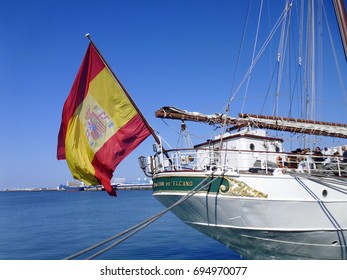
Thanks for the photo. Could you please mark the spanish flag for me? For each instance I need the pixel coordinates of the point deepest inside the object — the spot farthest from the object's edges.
(100, 124)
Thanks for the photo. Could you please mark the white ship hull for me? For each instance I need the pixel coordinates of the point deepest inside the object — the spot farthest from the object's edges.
(299, 218)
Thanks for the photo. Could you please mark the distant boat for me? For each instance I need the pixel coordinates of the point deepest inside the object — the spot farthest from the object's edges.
(72, 186)
(242, 189)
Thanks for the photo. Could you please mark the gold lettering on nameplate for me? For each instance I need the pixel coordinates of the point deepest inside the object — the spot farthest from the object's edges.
(173, 184)
(182, 183)
(158, 184)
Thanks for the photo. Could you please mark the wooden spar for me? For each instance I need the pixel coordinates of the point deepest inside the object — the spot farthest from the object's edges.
(294, 125)
(244, 115)
(342, 21)
(177, 114)
(125, 91)
(260, 121)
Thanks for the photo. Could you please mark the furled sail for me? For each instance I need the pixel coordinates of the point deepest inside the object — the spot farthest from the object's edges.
(268, 122)
(294, 125)
(169, 112)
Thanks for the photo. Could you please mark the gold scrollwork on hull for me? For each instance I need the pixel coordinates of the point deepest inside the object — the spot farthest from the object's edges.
(239, 188)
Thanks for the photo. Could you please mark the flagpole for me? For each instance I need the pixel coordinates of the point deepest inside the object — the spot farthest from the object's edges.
(125, 91)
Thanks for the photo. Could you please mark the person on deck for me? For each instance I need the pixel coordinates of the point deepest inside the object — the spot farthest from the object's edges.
(318, 158)
(344, 154)
(327, 154)
(305, 161)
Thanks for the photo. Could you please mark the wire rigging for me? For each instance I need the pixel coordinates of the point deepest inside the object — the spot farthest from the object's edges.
(261, 51)
(341, 80)
(281, 54)
(254, 49)
(131, 231)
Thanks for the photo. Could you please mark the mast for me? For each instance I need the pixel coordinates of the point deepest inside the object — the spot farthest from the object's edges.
(342, 21)
(313, 61)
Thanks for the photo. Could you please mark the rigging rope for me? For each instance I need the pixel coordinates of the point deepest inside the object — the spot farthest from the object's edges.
(328, 214)
(131, 231)
(341, 79)
(227, 109)
(262, 49)
(253, 55)
(281, 54)
(269, 87)
(239, 54)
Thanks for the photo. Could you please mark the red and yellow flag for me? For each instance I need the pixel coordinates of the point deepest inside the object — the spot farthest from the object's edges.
(100, 125)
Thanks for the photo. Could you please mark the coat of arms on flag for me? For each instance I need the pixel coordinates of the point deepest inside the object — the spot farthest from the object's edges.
(96, 123)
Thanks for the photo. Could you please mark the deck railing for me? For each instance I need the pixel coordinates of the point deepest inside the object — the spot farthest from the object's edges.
(244, 161)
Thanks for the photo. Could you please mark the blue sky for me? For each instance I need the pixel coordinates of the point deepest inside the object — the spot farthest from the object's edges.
(179, 53)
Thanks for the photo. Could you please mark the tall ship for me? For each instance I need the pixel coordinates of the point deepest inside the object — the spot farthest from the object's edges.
(248, 187)
(245, 187)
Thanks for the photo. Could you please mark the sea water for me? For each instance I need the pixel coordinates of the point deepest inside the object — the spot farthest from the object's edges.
(53, 225)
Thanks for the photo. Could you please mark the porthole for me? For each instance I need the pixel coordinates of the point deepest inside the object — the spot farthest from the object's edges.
(251, 146)
(325, 193)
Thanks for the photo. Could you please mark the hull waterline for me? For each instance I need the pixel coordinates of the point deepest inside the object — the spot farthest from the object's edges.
(279, 225)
